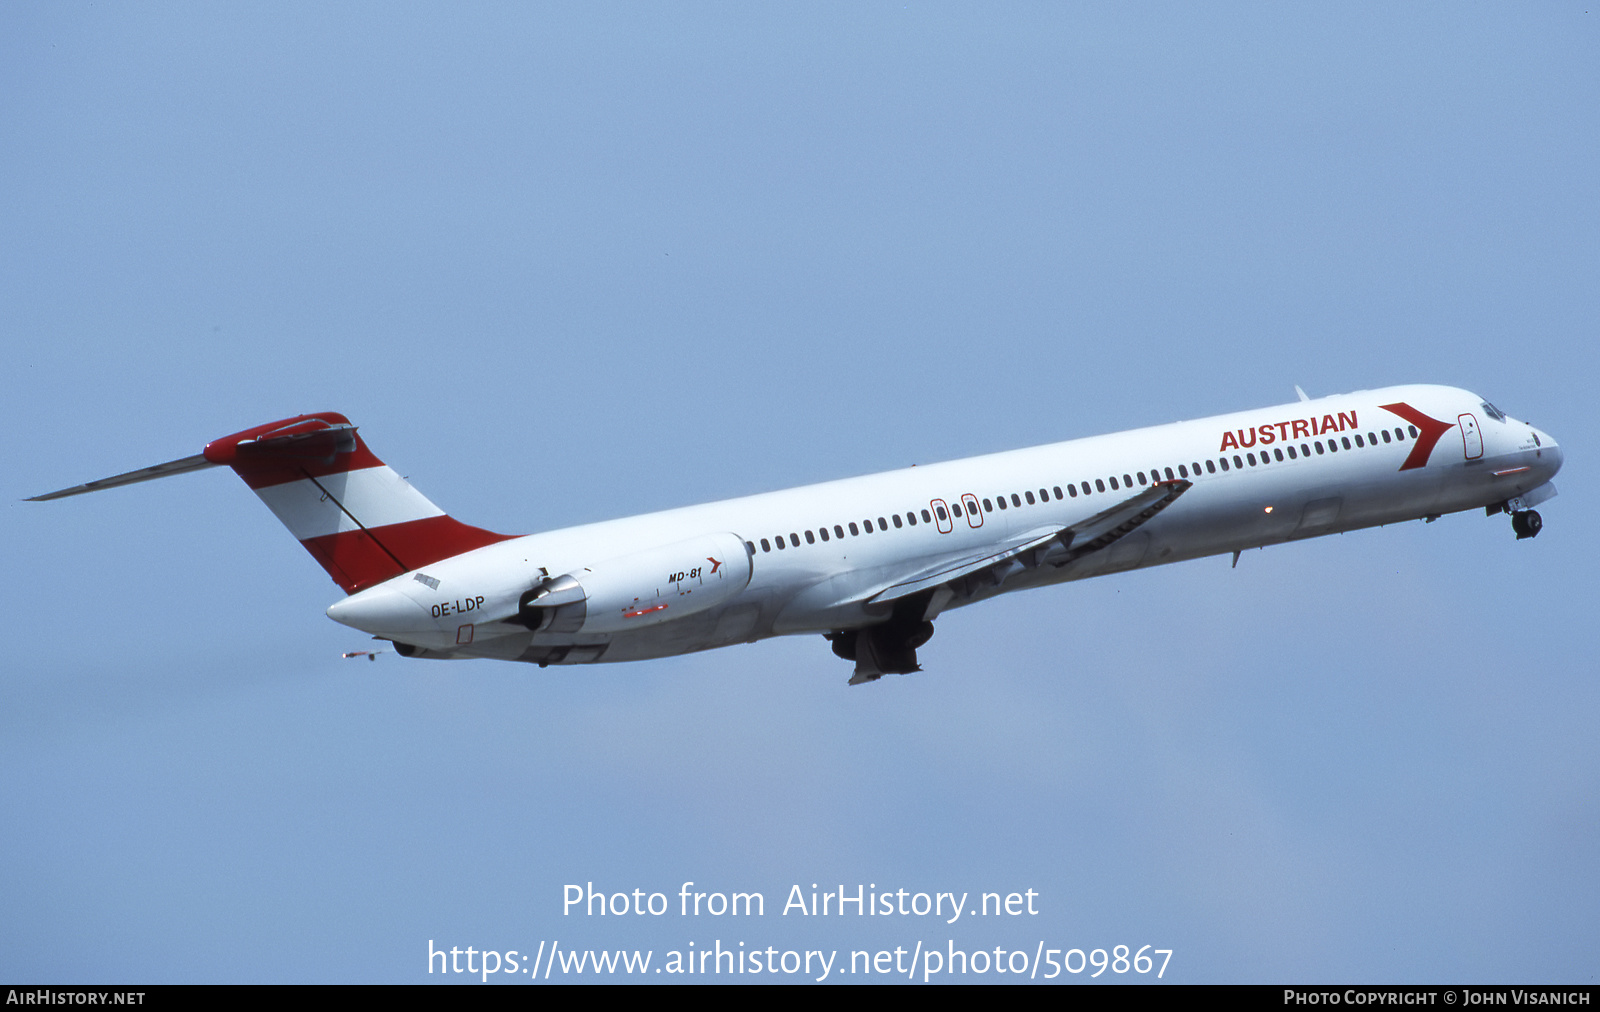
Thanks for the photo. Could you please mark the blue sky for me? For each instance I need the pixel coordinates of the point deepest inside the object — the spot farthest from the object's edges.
(564, 263)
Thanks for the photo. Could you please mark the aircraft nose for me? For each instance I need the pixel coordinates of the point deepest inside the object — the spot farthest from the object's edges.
(1549, 452)
(1552, 453)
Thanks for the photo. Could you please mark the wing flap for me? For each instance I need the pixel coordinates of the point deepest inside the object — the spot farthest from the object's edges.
(1117, 522)
(946, 570)
(1056, 546)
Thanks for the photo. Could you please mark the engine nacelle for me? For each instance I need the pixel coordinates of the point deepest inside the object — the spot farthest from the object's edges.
(640, 590)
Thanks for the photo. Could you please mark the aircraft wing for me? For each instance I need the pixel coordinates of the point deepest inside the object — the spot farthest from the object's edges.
(1124, 518)
(947, 570)
(1057, 546)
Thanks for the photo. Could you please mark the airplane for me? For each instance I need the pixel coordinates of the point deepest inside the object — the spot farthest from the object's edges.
(870, 562)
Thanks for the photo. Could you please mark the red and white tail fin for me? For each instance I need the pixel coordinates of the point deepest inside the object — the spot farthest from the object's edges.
(356, 516)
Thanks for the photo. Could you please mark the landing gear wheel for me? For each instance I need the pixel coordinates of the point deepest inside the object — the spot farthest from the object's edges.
(1526, 524)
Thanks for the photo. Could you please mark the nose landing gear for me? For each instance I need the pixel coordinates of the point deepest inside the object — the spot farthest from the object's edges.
(1526, 524)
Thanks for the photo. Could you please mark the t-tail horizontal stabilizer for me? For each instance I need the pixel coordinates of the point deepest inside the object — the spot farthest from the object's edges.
(197, 462)
(356, 516)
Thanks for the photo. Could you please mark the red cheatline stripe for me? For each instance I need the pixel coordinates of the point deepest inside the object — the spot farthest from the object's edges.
(356, 560)
(1430, 428)
(263, 464)
(260, 472)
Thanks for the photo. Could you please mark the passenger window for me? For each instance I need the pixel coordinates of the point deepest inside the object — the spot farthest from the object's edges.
(781, 544)
(765, 546)
(1318, 445)
(1072, 490)
(1044, 496)
(1196, 466)
(955, 509)
(1113, 480)
(1278, 454)
(1127, 480)
(1413, 430)
(1252, 458)
(1057, 490)
(1086, 488)
(1169, 475)
(942, 514)
(1346, 441)
(865, 523)
(1211, 467)
(1224, 463)
(838, 531)
(811, 540)
(1400, 435)
(1183, 472)
(1305, 451)
(1030, 497)
(926, 518)
(1237, 462)
(1100, 483)
(1002, 501)
(1386, 436)
(911, 518)
(854, 532)
(1141, 477)
(1358, 440)
(896, 520)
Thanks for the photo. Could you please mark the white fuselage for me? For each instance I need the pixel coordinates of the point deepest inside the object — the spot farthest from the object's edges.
(1288, 474)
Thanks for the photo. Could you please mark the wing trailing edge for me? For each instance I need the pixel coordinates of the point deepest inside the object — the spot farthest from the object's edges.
(1054, 546)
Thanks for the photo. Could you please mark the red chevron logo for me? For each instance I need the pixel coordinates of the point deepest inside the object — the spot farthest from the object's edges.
(1430, 428)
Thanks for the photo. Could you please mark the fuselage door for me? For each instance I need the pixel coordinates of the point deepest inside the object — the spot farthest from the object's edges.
(969, 502)
(1471, 435)
(941, 514)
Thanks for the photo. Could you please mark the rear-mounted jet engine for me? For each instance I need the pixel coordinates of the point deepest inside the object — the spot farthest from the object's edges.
(640, 590)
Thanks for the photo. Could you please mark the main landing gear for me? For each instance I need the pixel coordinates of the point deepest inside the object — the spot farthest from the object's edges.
(1526, 524)
(889, 648)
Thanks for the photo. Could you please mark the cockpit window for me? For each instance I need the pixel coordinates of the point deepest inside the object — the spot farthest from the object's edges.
(1493, 412)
